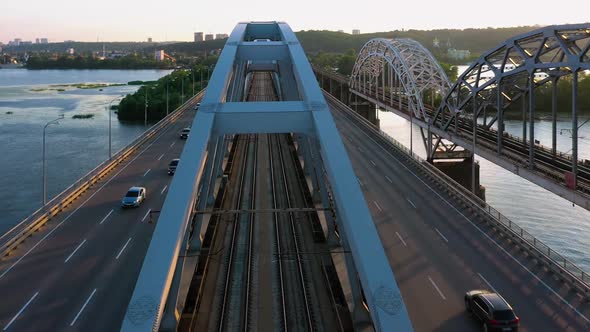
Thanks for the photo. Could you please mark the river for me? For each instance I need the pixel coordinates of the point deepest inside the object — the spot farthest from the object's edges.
(73, 147)
(76, 146)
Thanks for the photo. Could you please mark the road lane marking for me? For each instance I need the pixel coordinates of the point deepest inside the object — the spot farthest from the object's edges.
(377, 205)
(81, 205)
(20, 311)
(411, 202)
(361, 149)
(360, 182)
(372, 162)
(123, 249)
(171, 145)
(487, 282)
(161, 192)
(105, 218)
(476, 227)
(437, 289)
(146, 172)
(439, 233)
(146, 214)
(401, 239)
(73, 252)
(160, 157)
(83, 307)
(388, 179)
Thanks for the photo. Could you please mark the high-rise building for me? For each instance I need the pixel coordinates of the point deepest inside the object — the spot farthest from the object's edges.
(209, 36)
(356, 31)
(149, 39)
(159, 55)
(44, 41)
(221, 36)
(198, 37)
(36, 40)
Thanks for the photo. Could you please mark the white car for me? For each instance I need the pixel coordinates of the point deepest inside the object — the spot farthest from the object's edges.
(134, 197)
(184, 133)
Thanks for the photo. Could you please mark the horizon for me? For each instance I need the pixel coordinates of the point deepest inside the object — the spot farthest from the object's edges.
(66, 40)
(177, 20)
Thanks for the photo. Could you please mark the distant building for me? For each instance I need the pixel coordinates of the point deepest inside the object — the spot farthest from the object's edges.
(44, 41)
(26, 42)
(70, 51)
(356, 32)
(149, 39)
(159, 55)
(198, 37)
(340, 31)
(221, 36)
(458, 54)
(69, 41)
(209, 36)
(37, 41)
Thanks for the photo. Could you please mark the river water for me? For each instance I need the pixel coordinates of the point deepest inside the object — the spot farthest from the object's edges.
(76, 146)
(73, 147)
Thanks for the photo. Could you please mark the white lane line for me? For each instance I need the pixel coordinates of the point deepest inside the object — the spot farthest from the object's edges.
(161, 192)
(171, 145)
(401, 239)
(372, 162)
(105, 218)
(146, 172)
(437, 289)
(412, 203)
(361, 149)
(160, 157)
(83, 307)
(360, 182)
(81, 205)
(146, 214)
(388, 179)
(20, 311)
(439, 233)
(477, 228)
(123, 249)
(377, 205)
(487, 282)
(73, 252)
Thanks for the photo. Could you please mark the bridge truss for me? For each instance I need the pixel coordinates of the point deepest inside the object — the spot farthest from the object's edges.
(302, 110)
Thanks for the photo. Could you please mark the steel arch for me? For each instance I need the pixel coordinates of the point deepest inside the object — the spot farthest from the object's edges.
(516, 66)
(414, 67)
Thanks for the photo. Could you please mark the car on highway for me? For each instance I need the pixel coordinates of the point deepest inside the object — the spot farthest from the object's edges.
(184, 133)
(172, 166)
(134, 197)
(491, 310)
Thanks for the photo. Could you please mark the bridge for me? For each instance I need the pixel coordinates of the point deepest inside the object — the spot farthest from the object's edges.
(289, 209)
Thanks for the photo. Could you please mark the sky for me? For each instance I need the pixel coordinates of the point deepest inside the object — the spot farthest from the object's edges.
(176, 20)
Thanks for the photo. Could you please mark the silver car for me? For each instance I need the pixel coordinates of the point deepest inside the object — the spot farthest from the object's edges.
(134, 197)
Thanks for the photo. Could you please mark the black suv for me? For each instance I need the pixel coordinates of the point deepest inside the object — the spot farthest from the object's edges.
(492, 310)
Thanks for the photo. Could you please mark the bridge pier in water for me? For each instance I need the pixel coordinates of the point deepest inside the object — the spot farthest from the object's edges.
(462, 172)
(366, 109)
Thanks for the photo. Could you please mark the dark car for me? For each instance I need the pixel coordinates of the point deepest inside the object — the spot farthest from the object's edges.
(172, 166)
(184, 133)
(492, 310)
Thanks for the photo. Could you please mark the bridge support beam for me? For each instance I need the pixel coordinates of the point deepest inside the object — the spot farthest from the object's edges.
(366, 109)
(462, 173)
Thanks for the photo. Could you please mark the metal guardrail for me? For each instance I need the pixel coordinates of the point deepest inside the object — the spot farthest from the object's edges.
(561, 266)
(19, 233)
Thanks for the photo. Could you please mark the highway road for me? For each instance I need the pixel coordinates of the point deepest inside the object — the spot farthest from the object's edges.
(438, 250)
(78, 273)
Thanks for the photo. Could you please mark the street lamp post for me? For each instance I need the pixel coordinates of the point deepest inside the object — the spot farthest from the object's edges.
(110, 115)
(193, 72)
(44, 182)
(145, 112)
(182, 90)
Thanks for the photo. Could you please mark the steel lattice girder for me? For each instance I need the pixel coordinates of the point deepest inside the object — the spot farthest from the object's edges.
(414, 66)
(549, 53)
(310, 116)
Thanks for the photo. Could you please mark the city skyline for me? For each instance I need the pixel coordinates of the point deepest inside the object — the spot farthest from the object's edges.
(72, 20)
